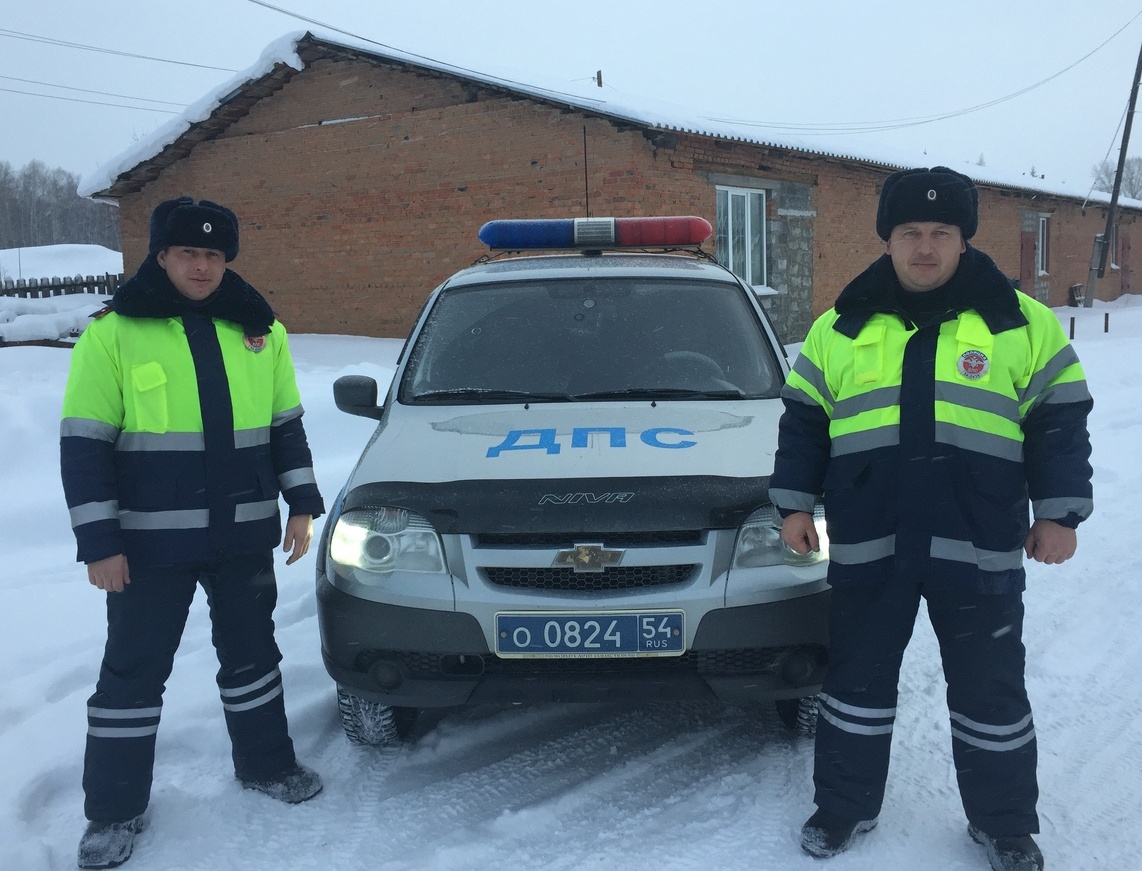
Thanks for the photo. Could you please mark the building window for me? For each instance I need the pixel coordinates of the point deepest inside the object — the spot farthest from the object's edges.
(740, 234)
(1043, 245)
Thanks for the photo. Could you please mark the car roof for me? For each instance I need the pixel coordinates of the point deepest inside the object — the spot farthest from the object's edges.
(595, 265)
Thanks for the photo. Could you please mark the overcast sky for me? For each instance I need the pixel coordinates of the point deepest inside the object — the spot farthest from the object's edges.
(1055, 76)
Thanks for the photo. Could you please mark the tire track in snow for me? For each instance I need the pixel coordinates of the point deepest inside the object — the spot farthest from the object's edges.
(692, 801)
(560, 786)
(578, 774)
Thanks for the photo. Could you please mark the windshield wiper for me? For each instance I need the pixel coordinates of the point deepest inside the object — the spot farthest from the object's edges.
(660, 393)
(486, 394)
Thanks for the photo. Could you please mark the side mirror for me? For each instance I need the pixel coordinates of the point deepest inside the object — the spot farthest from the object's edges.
(357, 394)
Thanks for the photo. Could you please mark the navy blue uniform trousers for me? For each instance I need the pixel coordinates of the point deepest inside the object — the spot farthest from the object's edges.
(144, 626)
(993, 736)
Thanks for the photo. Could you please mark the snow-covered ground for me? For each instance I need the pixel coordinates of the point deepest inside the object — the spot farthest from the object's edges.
(609, 787)
(58, 261)
(57, 317)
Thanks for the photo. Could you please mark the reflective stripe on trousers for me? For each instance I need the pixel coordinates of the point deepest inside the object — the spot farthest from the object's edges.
(145, 624)
(993, 734)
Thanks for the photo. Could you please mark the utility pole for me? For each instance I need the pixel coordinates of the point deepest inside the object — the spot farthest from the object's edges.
(1102, 242)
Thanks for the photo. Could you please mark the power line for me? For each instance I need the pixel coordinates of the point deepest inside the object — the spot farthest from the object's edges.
(422, 57)
(875, 126)
(86, 91)
(89, 102)
(31, 37)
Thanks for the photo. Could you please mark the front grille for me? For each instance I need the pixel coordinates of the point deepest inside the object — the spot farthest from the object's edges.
(702, 662)
(560, 540)
(567, 580)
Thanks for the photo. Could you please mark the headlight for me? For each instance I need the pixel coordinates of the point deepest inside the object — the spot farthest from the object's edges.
(385, 540)
(759, 541)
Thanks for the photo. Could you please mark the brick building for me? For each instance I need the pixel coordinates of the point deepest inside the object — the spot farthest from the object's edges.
(361, 177)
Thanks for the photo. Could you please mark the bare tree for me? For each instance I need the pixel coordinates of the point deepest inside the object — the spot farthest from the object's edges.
(1103, 175)
(40, 206)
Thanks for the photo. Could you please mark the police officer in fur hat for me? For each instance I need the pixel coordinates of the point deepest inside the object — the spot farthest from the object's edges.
(181, 428)
(940, 415)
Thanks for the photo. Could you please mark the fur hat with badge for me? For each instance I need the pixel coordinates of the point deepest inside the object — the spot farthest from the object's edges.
(937, 194)
(196, 225)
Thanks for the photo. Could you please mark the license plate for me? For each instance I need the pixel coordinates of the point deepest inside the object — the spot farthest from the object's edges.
(618, 633)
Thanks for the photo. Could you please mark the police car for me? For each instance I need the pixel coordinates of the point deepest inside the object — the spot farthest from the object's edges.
(566, 496)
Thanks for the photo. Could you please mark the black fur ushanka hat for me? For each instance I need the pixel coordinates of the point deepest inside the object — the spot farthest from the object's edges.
(198, 225)
(936, 194)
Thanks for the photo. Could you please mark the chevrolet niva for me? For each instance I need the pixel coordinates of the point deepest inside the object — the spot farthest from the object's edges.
(566, 496)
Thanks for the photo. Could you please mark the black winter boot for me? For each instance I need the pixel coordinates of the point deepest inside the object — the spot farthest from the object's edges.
(293, 786)
(108, 845)
(825, 835)
(1009, 854)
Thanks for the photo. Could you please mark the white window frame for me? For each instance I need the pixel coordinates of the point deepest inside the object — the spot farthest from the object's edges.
(740, 245)
(1043, 245)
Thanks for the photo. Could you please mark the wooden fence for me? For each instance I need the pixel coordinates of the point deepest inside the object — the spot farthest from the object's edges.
(39, 288)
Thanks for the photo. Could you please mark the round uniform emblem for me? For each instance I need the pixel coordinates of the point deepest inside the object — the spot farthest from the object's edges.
(973, 364)
(206, 228)
(932, 195)
(255, 343)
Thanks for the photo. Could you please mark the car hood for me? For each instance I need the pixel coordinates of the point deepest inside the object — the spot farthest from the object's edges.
(665, 465)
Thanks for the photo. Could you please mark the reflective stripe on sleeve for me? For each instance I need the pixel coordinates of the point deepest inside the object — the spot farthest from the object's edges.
(91, 512)
(287, 415)
(1070, 391)
(1053, 368)
(792, 500)
(1061, 506)
(83, 427)
(296, 477)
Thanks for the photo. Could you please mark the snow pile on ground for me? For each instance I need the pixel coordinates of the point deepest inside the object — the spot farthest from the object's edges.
(52, 318)
(59, 261)
(24, 319)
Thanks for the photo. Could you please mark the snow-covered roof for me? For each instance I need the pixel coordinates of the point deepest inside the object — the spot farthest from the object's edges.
(281, 59)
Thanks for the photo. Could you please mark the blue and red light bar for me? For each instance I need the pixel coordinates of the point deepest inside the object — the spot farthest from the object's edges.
(656, 232)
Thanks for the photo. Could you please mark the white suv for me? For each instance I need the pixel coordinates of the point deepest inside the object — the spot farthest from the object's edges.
(566, 497)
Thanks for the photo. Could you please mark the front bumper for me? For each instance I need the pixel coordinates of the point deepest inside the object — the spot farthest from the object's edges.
(414, 657)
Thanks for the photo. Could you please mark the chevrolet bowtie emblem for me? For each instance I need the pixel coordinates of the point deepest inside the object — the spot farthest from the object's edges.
(588, 558)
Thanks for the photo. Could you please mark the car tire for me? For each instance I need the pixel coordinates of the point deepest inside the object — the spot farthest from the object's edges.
(798, 715)
(372, 724)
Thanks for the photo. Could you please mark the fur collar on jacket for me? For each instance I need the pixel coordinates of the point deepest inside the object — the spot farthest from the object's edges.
(977, 284)
(149, 294)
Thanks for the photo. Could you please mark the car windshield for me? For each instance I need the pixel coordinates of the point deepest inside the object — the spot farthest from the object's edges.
(574, 340)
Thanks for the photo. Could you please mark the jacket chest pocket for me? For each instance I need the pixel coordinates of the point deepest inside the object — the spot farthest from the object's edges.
(974, 349)
(148, 385)
(868, 354)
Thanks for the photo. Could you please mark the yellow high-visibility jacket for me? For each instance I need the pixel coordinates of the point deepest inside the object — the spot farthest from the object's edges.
(928, 445)
(179, 432)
